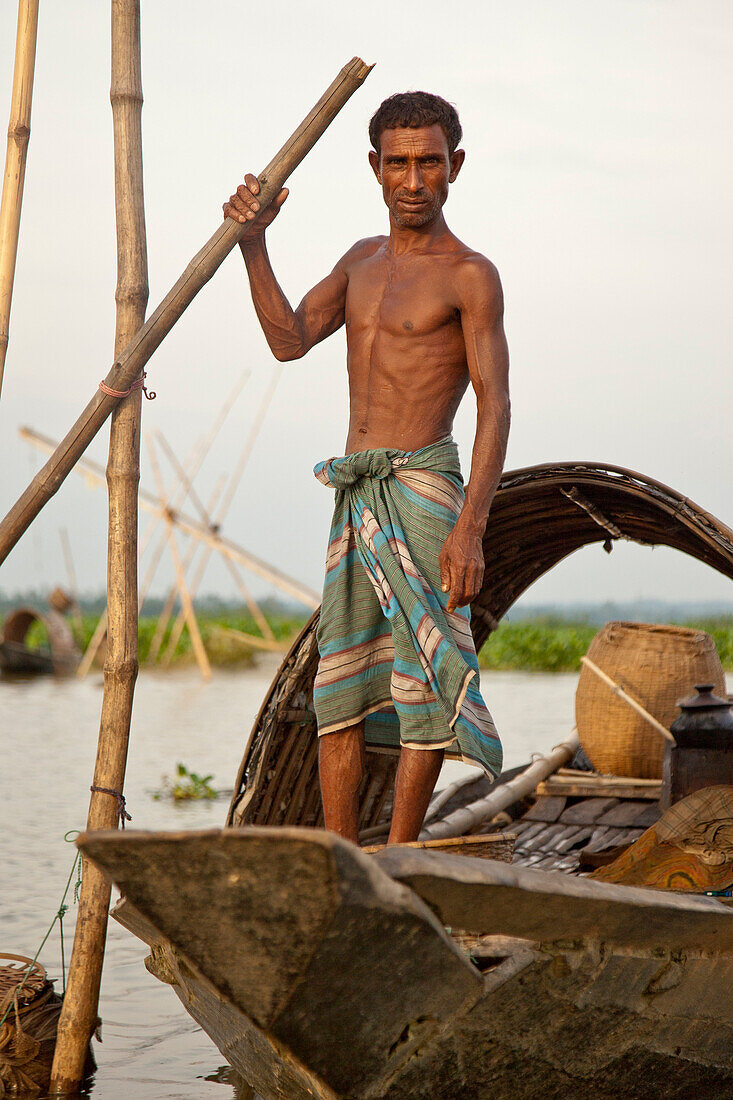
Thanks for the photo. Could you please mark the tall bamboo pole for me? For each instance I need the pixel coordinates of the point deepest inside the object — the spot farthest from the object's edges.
(19, 133)
(129, 364)
(123, 475)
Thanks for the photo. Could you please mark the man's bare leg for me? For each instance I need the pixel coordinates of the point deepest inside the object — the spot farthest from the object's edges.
(417, 774)
(340, 770)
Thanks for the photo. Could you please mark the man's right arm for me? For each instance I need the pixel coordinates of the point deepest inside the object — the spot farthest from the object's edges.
(290, 333)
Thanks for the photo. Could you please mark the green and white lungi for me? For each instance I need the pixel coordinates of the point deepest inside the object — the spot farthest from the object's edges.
(390, 651)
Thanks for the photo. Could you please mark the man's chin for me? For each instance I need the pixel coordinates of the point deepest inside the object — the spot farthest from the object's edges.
(413, 219)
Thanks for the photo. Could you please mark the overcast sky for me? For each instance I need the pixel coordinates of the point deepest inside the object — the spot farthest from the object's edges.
(598, 178)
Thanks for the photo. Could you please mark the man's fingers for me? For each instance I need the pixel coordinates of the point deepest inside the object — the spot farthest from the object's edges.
(280, 199)
(458, 581)
(248, 204)
(444, 573)
(252, 183)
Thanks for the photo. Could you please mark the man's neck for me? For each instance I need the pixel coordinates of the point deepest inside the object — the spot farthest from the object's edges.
(404, 239)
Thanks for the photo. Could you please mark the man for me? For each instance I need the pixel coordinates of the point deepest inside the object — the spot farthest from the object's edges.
(423, 316)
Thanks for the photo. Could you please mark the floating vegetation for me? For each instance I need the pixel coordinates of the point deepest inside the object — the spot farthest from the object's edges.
(188, 787)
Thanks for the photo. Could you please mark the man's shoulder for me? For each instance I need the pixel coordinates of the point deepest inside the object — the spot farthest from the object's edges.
(362, 250)
(475, 274)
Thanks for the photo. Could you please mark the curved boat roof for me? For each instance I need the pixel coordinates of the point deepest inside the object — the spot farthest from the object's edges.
(540, 515)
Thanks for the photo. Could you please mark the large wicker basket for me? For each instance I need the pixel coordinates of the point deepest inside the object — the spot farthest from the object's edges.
(657, 665)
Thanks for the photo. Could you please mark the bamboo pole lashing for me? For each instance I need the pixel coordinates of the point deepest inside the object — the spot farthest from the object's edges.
(19, 132)
(79, 1011)
(628, 699)
(129, 364)
(197, 644)
(224, 546)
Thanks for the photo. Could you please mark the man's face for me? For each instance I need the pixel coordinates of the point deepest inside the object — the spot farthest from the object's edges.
(415, 169)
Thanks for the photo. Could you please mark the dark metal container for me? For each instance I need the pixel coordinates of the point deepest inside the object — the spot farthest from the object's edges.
(702, 752)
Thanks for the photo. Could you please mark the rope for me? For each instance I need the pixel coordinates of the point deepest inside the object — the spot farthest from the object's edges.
(58, 916)
(138, 385)
(122, 813)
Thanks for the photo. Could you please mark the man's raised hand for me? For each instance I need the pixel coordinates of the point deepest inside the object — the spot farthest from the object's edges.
(243, 206)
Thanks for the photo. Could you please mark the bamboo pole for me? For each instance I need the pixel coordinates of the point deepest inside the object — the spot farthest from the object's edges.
(226, 547)
(19, 133)
(193, 626)
(461, 821)
(628, 699)
(79, 1010)
(129, 364)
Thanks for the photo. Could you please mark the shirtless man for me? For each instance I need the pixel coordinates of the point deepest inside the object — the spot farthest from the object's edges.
(423, 315)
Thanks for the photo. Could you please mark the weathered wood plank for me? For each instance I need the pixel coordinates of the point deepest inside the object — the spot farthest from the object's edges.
(624, 814)
(590, 786)
(588, 811)
(482, 896)
(546, 809)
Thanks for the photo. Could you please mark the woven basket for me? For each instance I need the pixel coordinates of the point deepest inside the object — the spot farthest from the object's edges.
(656, 665)
(28, 1033)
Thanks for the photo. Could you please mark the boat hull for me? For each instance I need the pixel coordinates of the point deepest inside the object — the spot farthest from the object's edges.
(360, 992)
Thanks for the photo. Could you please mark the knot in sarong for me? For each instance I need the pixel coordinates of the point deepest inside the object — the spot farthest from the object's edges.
(343, 473)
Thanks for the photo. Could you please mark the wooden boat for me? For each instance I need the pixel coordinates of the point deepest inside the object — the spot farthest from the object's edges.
(60, 656)
(320, 971)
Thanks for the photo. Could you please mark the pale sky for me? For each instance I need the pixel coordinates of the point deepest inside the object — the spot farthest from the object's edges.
(598, 178)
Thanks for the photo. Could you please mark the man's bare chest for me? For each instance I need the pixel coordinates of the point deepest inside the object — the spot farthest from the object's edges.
(401, 300)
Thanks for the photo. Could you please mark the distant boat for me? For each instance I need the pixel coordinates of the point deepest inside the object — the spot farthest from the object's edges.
(59, 655)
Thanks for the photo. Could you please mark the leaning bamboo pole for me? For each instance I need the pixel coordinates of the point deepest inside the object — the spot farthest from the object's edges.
(79, 1010)
(129, 364)
(19, 133)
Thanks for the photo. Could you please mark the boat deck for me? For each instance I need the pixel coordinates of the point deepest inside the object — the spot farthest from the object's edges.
(554, 832)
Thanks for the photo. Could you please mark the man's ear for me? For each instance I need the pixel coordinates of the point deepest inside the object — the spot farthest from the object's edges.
(374, 161)
(456, 163)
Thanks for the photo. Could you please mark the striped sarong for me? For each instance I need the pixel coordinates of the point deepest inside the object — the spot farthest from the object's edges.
(390, 651)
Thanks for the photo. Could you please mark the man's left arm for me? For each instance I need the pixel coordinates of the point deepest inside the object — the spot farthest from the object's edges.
(482, 319)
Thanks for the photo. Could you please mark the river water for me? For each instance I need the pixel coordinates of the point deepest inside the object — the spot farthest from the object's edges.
(151, 1048)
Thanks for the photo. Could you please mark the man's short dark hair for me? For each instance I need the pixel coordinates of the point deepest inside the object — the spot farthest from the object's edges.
(411, 110)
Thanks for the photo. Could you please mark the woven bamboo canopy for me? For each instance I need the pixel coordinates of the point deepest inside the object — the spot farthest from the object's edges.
(540, 515)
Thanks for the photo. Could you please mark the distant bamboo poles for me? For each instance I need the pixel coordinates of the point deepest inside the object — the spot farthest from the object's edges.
(123, 475)
(19, 132)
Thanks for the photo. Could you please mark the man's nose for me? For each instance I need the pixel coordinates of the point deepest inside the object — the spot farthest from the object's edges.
(413, 180)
